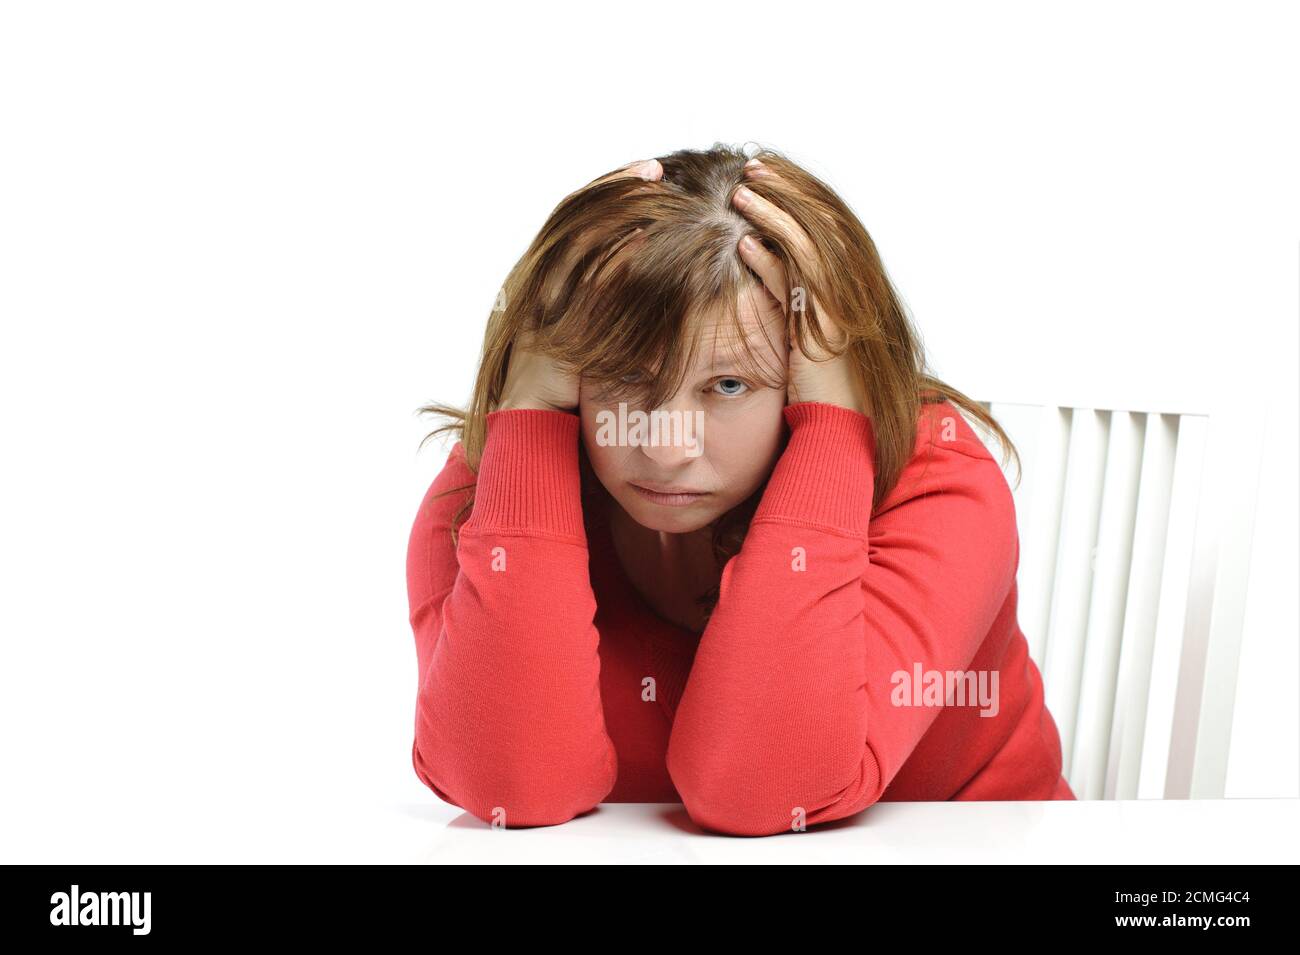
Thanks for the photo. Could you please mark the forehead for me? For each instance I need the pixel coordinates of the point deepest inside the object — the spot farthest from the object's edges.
(723, 333)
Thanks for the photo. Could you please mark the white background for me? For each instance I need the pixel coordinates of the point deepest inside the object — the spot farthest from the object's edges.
(241, 242)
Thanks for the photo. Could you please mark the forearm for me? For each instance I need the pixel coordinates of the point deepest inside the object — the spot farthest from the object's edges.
(773, 720)
(509, 723)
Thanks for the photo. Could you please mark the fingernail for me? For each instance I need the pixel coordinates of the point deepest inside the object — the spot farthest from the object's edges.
(743, 196)
(748, 244)
(649, 169)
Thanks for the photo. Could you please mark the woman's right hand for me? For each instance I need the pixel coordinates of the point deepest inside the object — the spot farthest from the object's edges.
(535, 380)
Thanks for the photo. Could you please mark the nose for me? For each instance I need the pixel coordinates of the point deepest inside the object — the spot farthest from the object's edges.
(667, 457)
(678, 437)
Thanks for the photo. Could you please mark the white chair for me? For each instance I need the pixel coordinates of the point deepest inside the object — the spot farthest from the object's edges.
(1135, 531)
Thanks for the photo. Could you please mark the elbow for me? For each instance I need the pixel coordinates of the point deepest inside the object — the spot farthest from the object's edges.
(728, 803)
(510, 797)
(736, 813)
(732, 814)
(751, 804)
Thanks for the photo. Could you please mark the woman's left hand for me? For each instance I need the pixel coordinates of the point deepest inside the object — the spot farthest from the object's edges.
(815, 376)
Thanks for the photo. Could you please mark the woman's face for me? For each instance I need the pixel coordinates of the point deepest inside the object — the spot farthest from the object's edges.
(718, 438)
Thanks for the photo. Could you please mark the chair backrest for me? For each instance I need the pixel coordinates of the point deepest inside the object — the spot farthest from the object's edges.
(1135, 530)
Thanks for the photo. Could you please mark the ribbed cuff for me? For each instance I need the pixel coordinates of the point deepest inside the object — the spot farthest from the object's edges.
(827, 472)
(528, 476)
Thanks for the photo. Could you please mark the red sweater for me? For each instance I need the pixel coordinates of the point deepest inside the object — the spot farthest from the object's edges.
(548, 685)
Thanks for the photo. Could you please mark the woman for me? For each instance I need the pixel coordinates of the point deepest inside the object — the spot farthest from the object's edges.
(711, 534)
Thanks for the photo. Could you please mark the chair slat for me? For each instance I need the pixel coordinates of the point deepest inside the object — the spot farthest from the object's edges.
(1071, 594)
(1108, 601)
(1137, 644)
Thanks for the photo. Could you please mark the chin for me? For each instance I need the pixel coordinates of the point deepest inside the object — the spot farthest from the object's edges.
(670, 520)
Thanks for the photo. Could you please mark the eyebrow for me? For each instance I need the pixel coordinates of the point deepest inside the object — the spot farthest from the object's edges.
(727, 367)
(754, 339)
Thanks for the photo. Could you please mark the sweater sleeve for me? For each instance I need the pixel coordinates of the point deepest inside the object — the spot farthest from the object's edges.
(508, 717)
(787, 714)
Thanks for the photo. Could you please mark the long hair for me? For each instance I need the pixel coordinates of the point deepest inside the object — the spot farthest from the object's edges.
(611, 282)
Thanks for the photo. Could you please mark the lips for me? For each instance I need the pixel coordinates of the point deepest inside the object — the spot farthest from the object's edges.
(665, 488)
(670, 498)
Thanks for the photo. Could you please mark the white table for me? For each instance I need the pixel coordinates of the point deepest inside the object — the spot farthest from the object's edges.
(1133, 831)
(333, 826)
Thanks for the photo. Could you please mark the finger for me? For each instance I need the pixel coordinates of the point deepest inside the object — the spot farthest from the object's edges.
(773, 217)
(628, 245)
(768, 216)
(772, 272)
(768, 267)
(650, 170)
(631, 243)
(777, 323)
(755, 169)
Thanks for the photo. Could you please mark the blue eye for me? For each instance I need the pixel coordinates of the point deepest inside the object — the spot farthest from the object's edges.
(734, 381)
